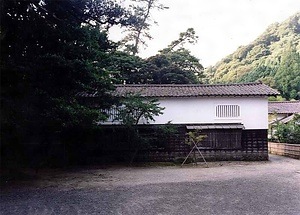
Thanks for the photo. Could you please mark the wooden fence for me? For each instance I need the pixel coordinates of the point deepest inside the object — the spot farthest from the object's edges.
(289, 150)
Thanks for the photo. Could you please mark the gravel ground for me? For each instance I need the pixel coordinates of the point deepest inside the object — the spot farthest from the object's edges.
(269, 188)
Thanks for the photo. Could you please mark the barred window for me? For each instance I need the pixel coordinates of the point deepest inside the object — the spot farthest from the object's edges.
(111, 113)
(228, 111)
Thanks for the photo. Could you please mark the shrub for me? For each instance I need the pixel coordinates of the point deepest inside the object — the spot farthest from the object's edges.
(289, 132)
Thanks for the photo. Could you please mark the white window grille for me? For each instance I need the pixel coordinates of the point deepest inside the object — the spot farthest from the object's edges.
(114, 111)
(228, 111)
(112, 114)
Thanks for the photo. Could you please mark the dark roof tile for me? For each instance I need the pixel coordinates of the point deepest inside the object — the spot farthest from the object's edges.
(284, 107)
(196, 90)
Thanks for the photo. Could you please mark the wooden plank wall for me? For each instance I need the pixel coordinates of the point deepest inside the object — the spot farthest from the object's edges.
(254, 146)
(289, 150)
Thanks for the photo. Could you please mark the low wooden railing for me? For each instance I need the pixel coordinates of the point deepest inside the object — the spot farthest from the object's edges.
(289, 150)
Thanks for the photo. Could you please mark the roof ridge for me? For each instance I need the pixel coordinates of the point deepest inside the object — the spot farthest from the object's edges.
(187, 85)
(196, 90)
(296, 101)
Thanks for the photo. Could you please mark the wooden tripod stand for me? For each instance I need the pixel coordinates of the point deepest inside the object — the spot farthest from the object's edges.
(195, 147)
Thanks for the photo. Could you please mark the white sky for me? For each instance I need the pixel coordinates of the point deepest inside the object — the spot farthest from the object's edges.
(222, 25)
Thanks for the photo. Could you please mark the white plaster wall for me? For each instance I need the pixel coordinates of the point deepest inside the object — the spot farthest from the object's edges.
(254, 111)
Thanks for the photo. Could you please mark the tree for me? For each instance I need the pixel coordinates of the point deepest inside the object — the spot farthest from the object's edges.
(126, 68)
(260, 72)
(189, 36)
(289, 132)
(184, 60)
(193, 138)
(133, 110)
(47, 57)
(140, 31)
(175, 64)
(288, 75)
(108, 13)
(262, 57)
(50, 53)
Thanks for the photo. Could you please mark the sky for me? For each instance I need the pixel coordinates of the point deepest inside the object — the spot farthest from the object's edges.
(222, 25)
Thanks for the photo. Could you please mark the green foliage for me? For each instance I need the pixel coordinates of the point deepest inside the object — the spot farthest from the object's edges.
(108, 13)
(49, 53)
(139, 32)
(131, 111)
(272, 58)
(289, 132)
(177, 67)
(126, 68)
(260, 72)
(288, 75)
(162, 133)
(166, 130)
(173, 65)
(276, 98)
(189, 36)
(134, 108)
(194, 137)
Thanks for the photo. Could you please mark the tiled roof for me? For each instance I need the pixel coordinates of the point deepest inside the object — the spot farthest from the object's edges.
(283, 120)
(287, 119)
(196, 90)
(284, 107)
(216, 126)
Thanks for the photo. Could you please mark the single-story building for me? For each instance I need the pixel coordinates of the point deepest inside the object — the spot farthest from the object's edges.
(283, 111)
(233, 116)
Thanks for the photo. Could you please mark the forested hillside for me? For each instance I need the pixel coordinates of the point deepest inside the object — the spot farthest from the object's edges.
(273, 58)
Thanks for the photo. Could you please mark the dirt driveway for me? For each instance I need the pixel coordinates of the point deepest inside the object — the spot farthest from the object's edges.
(271, 187)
